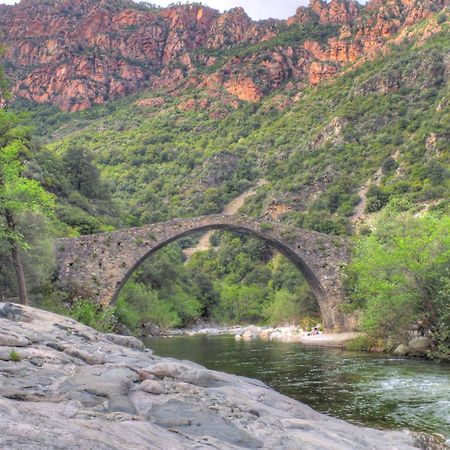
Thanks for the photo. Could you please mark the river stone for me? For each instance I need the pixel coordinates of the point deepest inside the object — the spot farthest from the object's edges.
(401, 350)
(249, 335)
(419, 346)
(191, 374)
(199, 421)
(126, 341)
(152, 387)
(10, 311)
(265, 335)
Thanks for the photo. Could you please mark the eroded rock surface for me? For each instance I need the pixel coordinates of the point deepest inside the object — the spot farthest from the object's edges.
(79, 53)
(70, 387)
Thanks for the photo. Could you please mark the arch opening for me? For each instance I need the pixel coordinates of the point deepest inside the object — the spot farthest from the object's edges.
(272, 242)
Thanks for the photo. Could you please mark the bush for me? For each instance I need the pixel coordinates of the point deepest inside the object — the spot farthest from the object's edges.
(94, 315)
(138, 305)
(360, 344)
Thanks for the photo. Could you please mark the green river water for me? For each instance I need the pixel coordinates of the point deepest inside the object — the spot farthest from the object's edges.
(374, 390)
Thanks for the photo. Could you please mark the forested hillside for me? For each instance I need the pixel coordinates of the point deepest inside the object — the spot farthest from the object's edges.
(384, 125)
(327, 154)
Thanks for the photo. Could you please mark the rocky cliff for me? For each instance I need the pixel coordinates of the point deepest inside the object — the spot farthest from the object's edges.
(64, 385)
(78, 53)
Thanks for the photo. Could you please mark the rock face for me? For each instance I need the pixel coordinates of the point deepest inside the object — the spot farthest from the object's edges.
(64, 385)
(78, 53)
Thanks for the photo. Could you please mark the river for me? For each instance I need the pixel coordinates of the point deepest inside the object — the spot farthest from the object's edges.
(370, 389)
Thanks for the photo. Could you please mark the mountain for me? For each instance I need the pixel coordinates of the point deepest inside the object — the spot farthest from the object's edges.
(332, 113)
(78, 53)
(142, 114)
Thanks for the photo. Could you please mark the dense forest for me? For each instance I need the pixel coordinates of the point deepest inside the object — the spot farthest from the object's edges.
(365, 155)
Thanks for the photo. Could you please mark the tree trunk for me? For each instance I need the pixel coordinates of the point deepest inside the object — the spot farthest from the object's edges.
(22, 289)
(15, 255)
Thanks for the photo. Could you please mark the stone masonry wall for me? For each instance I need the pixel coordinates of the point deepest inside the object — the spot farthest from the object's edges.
(99, 265)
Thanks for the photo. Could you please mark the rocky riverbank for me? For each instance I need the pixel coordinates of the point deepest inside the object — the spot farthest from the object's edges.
(283, 334)
(66, 386)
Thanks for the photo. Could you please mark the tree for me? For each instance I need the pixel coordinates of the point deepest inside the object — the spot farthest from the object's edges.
(19, 195)
(82, 173)
(400, 274)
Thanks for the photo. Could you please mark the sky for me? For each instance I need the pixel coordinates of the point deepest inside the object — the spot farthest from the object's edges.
(257, 9)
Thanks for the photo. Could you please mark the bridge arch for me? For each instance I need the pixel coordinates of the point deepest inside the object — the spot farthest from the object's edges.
(294, 257)
(104, 262)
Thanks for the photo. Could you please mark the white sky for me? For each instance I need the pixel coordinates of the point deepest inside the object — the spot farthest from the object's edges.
(257, 9)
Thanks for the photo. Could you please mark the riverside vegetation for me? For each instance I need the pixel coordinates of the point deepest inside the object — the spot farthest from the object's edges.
(376, 136)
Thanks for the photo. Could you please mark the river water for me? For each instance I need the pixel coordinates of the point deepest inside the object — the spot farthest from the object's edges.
(374, 390)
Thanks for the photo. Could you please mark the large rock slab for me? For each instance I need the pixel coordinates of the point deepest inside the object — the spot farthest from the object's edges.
(419, 346)
(75, 388)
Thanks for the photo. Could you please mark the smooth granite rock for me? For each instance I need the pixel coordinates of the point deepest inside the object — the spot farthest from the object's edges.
(419, 346)
(401, 350)
(75, 388)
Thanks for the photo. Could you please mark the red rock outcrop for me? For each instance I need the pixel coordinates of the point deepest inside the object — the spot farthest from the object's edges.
(244, 88)
(78, 53)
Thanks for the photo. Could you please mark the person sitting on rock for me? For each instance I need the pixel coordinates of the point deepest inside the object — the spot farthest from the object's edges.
(314, 331)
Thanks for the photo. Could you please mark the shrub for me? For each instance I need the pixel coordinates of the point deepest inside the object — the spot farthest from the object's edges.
(14, 356)
(94, 315)
(266, 227)
(360, 344)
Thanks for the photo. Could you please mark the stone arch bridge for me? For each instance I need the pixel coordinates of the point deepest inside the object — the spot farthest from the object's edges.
(100, 264)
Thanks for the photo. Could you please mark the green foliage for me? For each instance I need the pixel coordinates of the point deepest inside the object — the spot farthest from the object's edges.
(285, 308)
(400, 274)
(21, 199)
(236, 283)
(93, 315)
(138, 305)
(266, 227)
(377, 198)
(82, 173)
(19, 194)
(14, 356)
(239, 304)
(360, 344)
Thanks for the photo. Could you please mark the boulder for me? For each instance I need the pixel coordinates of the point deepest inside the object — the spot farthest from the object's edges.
(150, 329)
(10, 311)
(152, 387)
(401, 350)
(126, 341)
(249, 335)
(419, 346)
(265, 335)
